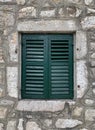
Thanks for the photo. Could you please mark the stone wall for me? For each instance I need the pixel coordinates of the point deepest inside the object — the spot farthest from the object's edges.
(76, 16)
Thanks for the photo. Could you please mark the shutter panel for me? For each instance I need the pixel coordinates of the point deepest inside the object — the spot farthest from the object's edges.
(61, 66)
(33, 66)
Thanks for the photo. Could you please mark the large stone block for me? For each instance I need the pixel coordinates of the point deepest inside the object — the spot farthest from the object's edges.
(51, 25)
(81, 44)
(32, 126)
(51, 106)
(82, 78)
(67, 123)
(13, 47)
(12, 80)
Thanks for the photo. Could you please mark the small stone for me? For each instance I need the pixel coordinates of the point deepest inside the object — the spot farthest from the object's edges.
(47, 13)
(32, 126)
(93, 83)
(92, 45)
(71, 11)
(62, 12)
(20, 2)
(5, 102)
(1, 126)
(48, 122)
(90, 114)
(90, 10)
(78, 12)
(88, 2)
(1, 92)
(67, 123)
(27, 12)
(77, 111)
(93, 55)
(92, 72)
(3, 112)
(88, 22)
(89, 102)
(1, 55)
(20, 125)
(11, 125)
(12, 80)
(6, 0)
(94, 91)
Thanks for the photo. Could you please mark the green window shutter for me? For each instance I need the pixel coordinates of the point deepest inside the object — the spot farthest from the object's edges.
(47, 66)
(61, 66)
(33, 66)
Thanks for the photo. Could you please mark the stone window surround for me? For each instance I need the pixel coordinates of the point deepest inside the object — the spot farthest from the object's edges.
(55, 26)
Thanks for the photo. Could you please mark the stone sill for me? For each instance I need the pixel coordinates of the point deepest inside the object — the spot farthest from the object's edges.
(42, 105)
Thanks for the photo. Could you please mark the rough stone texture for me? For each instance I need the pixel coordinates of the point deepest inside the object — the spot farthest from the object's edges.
(11, 125)
(51, 25)
(88, 22)
(20, 125)
(90, 114)
(13, 47)
(82, 81)
(9, 19)
(20, 2)
(1, 55)
(88, 2)
(89, 102)
(40, 105)
(3, 112)
(67, 123)
(77, 111)
(50, 13)
(1, 92)
(92, 45)
(48, 122)
(27, 12)
(1, 126)
(12, 78)
(32, 126)
(81, 44)
(84, 129)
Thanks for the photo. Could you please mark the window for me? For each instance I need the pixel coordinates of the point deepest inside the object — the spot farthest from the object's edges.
(47, 66)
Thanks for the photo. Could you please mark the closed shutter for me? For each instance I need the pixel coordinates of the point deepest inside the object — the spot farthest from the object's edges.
(33, 59)
(47, 66)
(61, 66)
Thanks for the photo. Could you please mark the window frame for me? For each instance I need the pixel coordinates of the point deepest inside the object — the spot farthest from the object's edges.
(72, 94)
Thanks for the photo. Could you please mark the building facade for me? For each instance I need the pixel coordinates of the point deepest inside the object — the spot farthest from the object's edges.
(47, 17)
